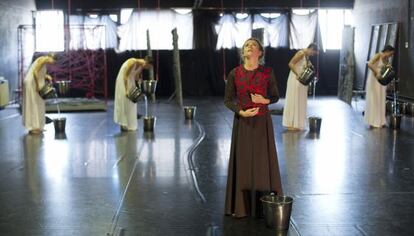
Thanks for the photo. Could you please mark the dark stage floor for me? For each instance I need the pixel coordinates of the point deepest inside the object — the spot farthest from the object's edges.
(350, 180)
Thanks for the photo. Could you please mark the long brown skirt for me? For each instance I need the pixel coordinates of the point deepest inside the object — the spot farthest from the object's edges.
(253, 165)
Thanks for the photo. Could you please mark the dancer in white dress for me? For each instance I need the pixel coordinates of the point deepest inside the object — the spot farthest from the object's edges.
(33, 105)
(294, 112)
(125, 111)
(375, 92)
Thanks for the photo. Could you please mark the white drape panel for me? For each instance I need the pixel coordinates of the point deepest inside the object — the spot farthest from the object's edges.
(160, 23)
(331, 25)
(77, 34)
(232, 32)
(49, 31)
(302, 30)
(276, 32)
(111, 38)
(92, 33)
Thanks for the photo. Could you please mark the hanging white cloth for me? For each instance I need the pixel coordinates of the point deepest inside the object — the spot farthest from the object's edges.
(302, 30)
(276, 30)
(294, 111)
(160, 23)
(125, 111)
(233, 32)
(375, 99)
(33, 105)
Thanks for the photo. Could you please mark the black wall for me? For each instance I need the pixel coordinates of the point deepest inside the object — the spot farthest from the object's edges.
(12, 14)
(368, 12)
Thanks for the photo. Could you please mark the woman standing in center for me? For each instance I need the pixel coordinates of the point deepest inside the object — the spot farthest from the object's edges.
(294, 112)
(253, 164)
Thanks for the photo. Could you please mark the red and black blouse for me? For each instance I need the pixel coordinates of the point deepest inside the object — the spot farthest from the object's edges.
(241, 83)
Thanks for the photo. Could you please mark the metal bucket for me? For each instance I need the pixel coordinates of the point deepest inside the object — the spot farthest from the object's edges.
(315, 124)
(63, 87)
(395, 121)
(387, 74)
(149, 123)
(134, 94)
(59, 124)
(149, 86)
(47, 91)
(307, 76)
(149, 136)
(60, 136)
(189, 112)
(277, 211)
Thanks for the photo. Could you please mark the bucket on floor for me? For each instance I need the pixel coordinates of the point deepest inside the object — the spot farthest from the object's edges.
(60, 136)
(395, 121)
(315, 124)
(277, 210)
(149, 136)
(189, 112)
(149, 123)
(59, 124)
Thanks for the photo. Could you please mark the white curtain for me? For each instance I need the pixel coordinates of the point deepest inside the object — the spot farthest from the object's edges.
(276, 32)
(160, 23)
(331, 25)
(92, 33)
(302, 30)
(49, 31)
(232, 32)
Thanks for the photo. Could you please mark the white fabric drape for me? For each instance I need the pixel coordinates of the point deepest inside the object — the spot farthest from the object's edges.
(302, 30)
(49, 31)
(276, 32)
(232, 32)
(160, 23)
(92, 33)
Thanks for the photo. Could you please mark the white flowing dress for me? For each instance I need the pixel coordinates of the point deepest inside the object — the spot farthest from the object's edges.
(125, 111)
(33, 105)
(375, 99)
(294, 111)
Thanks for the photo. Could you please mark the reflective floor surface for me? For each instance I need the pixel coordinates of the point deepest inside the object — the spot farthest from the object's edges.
(96, 180)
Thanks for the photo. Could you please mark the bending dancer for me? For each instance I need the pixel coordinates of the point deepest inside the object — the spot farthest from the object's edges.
(125, 111)
(294, 112)
(376, 92)
(253, 164)
(33, 106)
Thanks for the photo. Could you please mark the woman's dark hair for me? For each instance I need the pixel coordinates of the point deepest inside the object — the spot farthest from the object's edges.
(388, 48)
(261, 48)
(313, 46)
